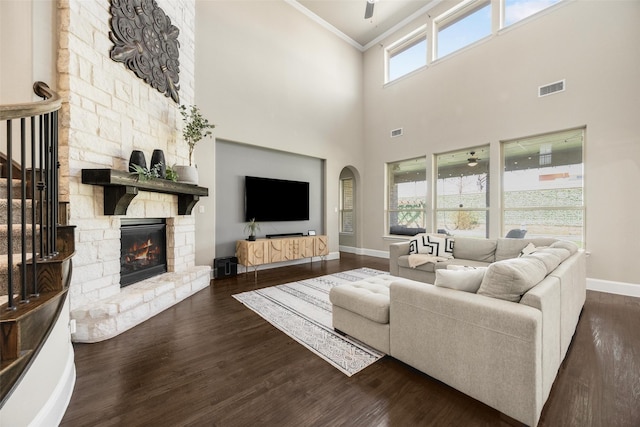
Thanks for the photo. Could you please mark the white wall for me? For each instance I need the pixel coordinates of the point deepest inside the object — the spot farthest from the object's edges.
(488, 93)
(27, 43)
(269, 76)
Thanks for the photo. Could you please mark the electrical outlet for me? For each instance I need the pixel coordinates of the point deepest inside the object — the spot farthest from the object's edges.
(72, 326)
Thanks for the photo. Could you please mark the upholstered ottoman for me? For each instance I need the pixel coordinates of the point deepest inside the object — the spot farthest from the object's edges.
(361, 310)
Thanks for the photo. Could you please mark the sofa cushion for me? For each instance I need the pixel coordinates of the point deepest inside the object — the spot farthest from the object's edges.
(511, 248)
(512, 278)
(551, 257)
(368, 297)
(465, 279)
(470, 248)
(403, 261)
(455, 262)
(570, 246)
(432, 244)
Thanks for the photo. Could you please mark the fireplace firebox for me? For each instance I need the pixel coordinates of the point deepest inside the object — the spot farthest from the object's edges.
(143, 252)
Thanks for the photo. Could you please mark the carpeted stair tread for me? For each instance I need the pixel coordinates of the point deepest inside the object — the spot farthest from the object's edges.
(17, 238)
(16, 210)
(4, 272)
(16, 188)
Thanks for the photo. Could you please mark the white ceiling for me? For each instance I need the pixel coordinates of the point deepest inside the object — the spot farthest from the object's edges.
(347, 16)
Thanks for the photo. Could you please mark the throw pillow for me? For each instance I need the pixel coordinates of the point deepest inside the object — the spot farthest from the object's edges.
(431, 244)
(570, 246)
(461, 280)
(512, 278)
(529, 249)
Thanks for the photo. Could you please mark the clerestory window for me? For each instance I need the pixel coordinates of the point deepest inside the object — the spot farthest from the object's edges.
(461, 26)
(406, 55)
(516, 10)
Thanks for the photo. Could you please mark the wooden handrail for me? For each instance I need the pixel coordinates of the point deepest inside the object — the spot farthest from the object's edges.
(51, 103)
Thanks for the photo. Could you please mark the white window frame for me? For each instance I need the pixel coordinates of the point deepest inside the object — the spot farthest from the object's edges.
(342, 208)
(399, 46)
(450, 17)
(388, 210)
(503, 14)
(545, 157)
(486, 210)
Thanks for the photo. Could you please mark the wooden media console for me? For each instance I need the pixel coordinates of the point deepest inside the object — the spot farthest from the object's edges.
(252, 253)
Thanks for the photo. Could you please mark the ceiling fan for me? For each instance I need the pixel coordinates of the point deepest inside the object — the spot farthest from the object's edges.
(368, 12)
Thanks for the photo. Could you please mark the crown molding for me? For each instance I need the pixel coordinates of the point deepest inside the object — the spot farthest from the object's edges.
(300, 8)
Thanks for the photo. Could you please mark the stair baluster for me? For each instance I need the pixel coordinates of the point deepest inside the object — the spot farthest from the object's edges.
(10, 303)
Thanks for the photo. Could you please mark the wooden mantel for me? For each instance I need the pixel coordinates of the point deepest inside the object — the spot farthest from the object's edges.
(121, 187)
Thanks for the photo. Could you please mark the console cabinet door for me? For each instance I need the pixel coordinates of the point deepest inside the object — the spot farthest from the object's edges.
(320, 246)
(306, 247)
(277, 250)
(252, 253)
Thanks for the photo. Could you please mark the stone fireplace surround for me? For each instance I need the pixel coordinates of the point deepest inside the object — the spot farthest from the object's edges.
(108, 112)
(124, 308)
(104, 317)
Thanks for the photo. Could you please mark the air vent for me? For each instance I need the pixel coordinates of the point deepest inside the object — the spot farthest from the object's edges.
(551, 88)
(396, 132)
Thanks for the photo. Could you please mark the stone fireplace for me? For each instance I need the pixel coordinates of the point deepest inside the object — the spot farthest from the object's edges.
(107, 113)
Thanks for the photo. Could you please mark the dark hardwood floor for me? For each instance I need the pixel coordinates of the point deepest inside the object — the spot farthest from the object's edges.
(209, 361)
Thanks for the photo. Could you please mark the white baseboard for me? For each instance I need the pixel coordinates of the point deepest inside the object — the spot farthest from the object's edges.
(363, 251)
(611, 287)
(351, 250)
(53, 411)
(376, 253)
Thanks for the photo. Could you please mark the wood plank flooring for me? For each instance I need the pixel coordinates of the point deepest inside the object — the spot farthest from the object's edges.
(209, 361)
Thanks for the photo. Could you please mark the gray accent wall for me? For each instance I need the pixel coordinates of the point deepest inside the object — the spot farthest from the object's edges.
(233, 162)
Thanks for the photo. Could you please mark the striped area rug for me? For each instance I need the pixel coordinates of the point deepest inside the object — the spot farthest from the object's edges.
(302, 310)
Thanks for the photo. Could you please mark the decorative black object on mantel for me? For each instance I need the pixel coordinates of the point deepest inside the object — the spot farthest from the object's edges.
(137, 158)
(157, 161)
(146, 42)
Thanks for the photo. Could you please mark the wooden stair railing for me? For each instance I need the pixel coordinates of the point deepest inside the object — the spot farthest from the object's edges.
(36, 243)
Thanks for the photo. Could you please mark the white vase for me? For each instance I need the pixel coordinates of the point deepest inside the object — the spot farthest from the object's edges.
(187, 174)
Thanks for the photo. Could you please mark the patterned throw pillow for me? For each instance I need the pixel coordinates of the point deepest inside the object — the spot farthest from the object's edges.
(432, 244)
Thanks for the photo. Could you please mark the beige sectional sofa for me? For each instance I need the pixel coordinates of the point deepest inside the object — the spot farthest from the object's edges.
(502, 352)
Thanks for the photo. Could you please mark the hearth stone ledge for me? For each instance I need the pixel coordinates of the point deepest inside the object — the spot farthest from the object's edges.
(136, 303)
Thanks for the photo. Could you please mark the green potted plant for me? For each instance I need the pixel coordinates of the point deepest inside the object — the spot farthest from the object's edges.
(252, 226)
(196, 127)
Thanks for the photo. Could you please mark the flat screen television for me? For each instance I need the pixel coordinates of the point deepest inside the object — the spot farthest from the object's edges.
(268, 199)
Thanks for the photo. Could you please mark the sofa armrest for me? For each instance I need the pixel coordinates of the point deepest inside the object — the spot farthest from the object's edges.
(545, 296)
(572, 274)
(396, 250)
(487, 348)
